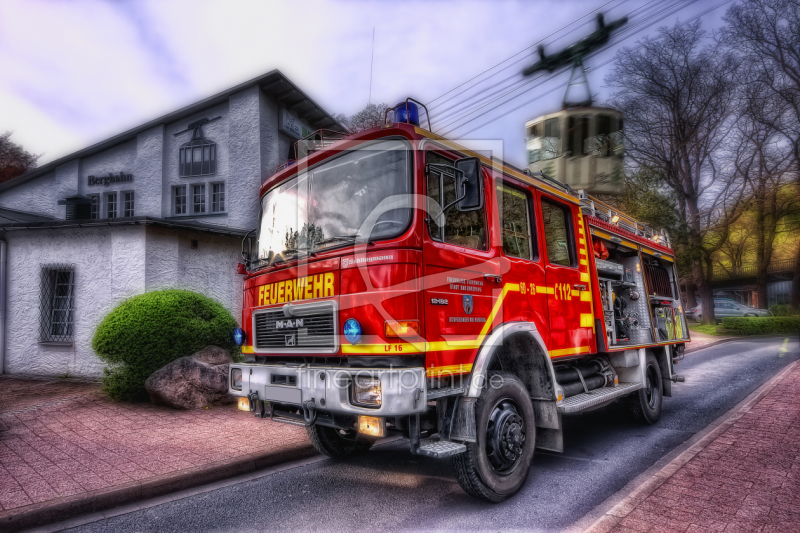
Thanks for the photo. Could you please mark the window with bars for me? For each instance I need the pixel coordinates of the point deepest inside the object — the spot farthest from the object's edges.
(111, 205)
(128, 203)
(180, 200)
(94, 209)
(199, 198)
(217, 197)
(56, 298)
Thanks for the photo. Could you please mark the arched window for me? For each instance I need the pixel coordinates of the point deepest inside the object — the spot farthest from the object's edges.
(198, 156)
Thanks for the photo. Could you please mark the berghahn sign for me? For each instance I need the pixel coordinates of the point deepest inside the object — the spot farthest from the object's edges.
(111, 178)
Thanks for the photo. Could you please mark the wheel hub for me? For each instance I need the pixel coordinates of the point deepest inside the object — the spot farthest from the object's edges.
(505, 436)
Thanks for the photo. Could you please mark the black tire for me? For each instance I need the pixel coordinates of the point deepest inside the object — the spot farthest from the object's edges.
(496, 467)
(336, 443)
(644, 405)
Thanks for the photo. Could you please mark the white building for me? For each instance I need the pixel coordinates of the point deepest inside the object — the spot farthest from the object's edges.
(164, 205)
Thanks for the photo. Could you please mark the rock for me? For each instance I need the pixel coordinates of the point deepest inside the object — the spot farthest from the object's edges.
(213, 355)
(190, 383)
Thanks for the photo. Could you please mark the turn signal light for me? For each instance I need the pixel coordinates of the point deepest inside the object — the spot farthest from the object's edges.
(370, 425)
(401, 328)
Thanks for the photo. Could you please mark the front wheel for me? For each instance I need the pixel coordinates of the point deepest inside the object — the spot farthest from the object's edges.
(496, 467)
(337, 443)
(644, 405)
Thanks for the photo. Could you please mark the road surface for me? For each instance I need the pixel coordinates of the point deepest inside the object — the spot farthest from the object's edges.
(392, 489)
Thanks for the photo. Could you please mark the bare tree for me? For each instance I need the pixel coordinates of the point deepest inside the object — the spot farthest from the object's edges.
(14, 159)
(764, 164)
(766, 34)
(369, 117)
(678, 92)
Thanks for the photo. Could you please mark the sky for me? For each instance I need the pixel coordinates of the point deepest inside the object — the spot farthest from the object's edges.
(76, 72)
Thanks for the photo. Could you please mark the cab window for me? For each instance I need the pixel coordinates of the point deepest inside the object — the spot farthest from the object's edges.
(515, 221)
(467, 229)
(557, 224)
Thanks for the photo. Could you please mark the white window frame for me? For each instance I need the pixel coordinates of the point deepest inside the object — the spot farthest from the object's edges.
(124, 203)
(216, 202)
(109, 203)
(203, 196)
(175, 190)
(97, 206)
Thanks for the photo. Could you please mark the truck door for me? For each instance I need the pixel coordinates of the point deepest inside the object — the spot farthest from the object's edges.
(568, 284)
(521, 264)
(461, 276)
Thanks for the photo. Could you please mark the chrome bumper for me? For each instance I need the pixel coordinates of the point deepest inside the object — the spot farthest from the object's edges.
(403, 389)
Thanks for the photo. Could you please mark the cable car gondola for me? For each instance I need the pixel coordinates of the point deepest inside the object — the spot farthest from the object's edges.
(580, 145)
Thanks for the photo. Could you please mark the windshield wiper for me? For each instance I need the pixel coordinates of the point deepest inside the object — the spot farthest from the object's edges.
(338, 238)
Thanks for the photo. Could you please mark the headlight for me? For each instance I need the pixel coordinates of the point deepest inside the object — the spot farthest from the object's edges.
(236, 378)
(239, 336)
(367, 392)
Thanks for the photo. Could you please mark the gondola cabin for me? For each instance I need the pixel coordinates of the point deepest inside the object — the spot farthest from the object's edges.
(582, 147)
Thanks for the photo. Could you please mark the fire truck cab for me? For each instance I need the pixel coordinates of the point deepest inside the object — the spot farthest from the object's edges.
(400, 284)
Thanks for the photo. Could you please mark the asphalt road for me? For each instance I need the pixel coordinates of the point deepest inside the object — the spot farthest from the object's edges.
(392, 489)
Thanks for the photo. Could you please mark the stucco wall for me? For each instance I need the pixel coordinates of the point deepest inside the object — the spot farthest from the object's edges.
(111, 264)
(35, 196)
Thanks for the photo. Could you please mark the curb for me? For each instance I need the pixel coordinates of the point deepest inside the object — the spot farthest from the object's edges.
(737, 338)
(99, 500)
(612, 511)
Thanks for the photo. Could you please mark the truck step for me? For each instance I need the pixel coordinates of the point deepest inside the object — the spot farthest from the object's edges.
(440, 393)
(441, 448)
(585, 400)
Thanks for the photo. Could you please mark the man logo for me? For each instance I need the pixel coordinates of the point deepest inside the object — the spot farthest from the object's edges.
(289, 340)
(468, 304)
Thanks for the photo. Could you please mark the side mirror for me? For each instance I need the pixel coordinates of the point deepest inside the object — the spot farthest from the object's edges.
(470, 188)
(247, 249)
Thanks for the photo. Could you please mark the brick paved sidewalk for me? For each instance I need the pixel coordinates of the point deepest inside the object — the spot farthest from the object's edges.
(63, 439)
(745, 479)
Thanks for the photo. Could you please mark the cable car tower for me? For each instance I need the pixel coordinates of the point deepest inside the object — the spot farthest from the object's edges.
(580, 145)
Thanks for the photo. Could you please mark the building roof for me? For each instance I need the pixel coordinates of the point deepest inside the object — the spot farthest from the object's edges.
(274, 83)
(128, 221)
(8, 216)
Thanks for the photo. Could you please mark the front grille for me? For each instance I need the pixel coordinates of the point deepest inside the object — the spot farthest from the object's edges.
(311, 332)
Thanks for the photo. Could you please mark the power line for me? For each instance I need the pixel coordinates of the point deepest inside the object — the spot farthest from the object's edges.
(617, 39)
(521, 82)
(520, 52)
(564, 85)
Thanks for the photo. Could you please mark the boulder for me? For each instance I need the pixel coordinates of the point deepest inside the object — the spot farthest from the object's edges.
(213, 355)
(190, 383)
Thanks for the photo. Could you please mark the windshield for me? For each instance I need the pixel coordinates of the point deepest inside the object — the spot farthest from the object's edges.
(329, 204)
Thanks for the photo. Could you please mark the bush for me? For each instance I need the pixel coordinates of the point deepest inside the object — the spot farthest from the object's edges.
(149, 331)
(782, 310)
(762, 325)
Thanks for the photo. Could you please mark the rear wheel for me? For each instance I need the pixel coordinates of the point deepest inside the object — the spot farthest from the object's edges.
(496, 467)
(337, 443)
(644, 405)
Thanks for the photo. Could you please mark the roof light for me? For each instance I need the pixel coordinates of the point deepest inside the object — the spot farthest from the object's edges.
(407, 112)
(615, 219)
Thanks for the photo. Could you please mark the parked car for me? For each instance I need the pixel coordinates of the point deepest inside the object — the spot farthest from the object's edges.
(725, 308)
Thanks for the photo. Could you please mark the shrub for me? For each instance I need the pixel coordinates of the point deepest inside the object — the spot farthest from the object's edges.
(146, 332)
(782, 310)
(762, 325)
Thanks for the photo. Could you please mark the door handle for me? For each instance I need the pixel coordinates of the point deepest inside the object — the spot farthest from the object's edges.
(579, 286)
(495, 277)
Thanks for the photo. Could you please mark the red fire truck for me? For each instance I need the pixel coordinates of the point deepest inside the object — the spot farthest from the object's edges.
(400, 284)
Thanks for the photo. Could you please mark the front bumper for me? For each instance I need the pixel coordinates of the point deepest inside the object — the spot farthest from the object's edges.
(329, 388)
